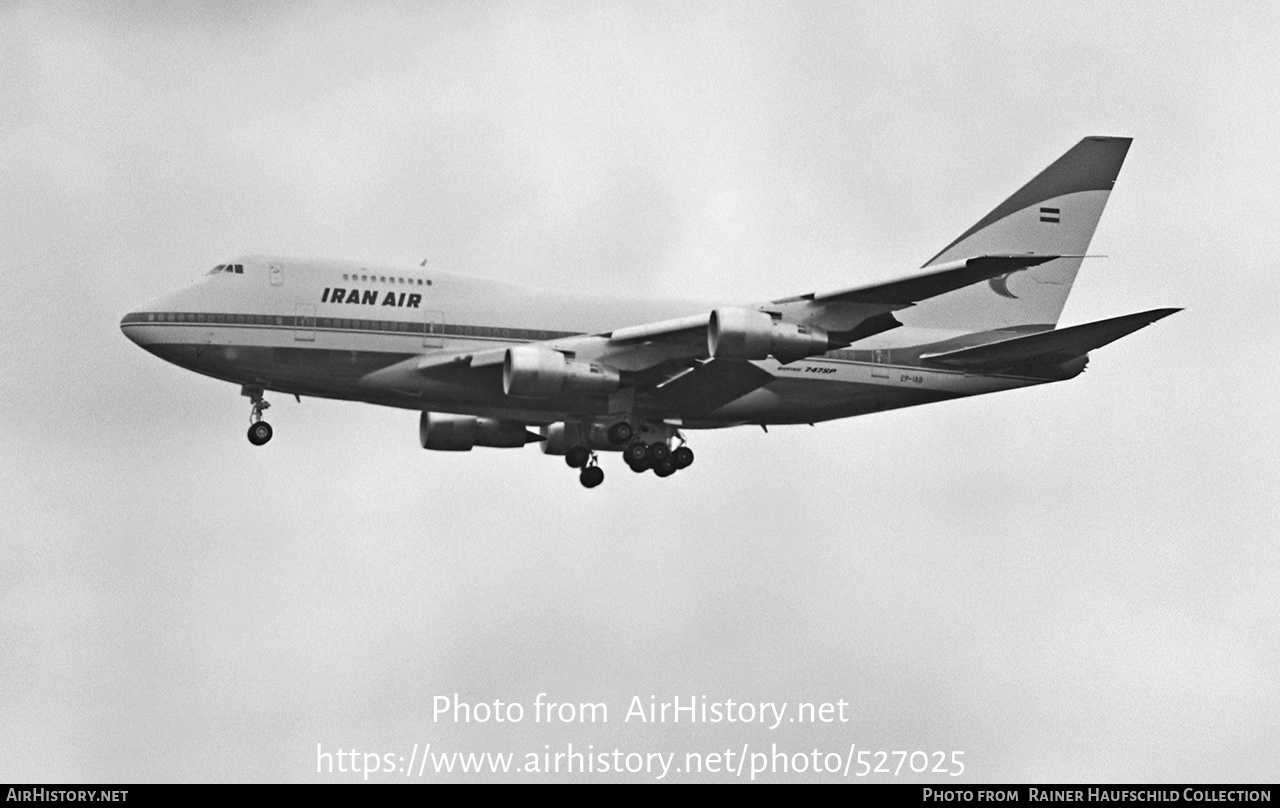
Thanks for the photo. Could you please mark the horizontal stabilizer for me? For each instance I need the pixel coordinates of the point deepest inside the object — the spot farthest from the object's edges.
(1047, 347)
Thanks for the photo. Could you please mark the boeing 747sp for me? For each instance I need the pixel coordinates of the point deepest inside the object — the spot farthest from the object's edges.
(495, 364)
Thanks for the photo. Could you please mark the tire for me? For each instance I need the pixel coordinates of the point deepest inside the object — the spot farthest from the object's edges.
(620, 433)
(260, 433)
(637, 454)
(591, 476)
(665, 467)
(683, 457)
(658, 452)
(577, 457)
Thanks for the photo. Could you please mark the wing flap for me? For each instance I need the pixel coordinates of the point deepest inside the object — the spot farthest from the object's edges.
(711, 385)
(1046, 347)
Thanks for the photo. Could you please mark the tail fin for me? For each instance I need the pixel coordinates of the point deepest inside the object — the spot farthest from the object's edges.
(1055, 214)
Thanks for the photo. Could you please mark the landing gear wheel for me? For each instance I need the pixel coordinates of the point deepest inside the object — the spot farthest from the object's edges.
(259, 430)
(591, 476)
(658, 452)
(665, 467)
(577, 457)
(620, 433)
(637, 455)
(259, 433)
(683, 457)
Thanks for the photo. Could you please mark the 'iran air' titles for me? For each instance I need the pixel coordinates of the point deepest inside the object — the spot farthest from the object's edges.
(369, 297)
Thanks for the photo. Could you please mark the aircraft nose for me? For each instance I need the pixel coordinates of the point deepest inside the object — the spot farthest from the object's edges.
(142, 325)
(132, 325)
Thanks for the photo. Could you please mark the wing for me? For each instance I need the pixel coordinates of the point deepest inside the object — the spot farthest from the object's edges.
(670, 362)
(848, 314)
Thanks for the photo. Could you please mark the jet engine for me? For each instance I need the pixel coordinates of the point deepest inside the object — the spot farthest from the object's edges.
(746, 334)
(557, 440)
(459, 433)
(530, 372)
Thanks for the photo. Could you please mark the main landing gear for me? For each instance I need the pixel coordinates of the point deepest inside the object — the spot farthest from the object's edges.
(629, 438)
(259, 430)
(621, 432)
(660, 457)
(580, 457)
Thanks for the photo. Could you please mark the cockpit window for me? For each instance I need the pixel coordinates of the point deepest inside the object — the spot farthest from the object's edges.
(236, 268)
(216, 269)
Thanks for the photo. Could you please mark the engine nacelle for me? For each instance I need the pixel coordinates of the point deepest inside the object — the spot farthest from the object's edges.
(460, 433)
(748, 334)
(530, 372)
(555, 440)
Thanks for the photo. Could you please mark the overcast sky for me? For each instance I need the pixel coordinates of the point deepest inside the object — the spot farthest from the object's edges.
(1071, 582)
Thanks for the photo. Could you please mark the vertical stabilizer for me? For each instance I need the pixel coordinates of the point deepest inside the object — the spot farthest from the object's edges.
(1054, 214)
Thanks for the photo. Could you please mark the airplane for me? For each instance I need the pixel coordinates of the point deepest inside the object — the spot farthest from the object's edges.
(494, 364)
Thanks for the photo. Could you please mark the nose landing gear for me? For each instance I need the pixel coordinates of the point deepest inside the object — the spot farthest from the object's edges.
(259, 430)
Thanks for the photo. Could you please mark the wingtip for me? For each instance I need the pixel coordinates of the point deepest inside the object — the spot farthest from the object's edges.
(1154, 315)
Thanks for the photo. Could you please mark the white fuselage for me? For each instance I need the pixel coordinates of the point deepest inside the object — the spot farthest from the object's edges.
(340, 329)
